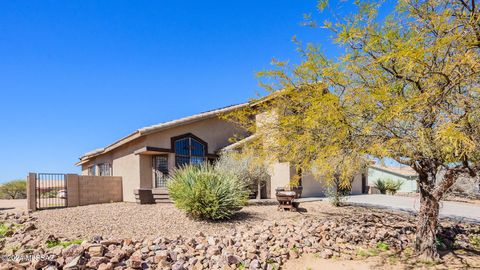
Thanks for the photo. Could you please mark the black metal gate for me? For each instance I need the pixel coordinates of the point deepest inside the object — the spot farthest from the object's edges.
(50, 190)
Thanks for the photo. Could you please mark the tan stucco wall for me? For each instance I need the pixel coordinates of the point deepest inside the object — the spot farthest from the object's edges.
(214, 131)
(315, 187)
(146, 171)
(99, 189)
(136, 170)
(281, 173)
(357, 185)
(107, 158)
(312, 187)
(127, 165)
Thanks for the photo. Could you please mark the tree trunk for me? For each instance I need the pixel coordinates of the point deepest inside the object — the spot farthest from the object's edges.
(259, 190)
(427, 220)
(430, 195)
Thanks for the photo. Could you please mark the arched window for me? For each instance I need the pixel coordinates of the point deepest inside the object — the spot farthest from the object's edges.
(189, 150)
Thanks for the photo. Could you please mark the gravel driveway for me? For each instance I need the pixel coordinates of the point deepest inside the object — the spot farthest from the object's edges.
(456, 210)
(130, 220)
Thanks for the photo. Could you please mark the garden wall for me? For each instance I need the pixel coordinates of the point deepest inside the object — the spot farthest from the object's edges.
(80, 190)
(85, 190)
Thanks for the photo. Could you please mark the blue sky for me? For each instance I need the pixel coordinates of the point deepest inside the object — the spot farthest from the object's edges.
(77, 75)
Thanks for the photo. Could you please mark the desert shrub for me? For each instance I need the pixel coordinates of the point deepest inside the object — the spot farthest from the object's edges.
(337, 191)
(16, 189)
(3, 230)
(380, 185)
(206, 193)
(393, 186)
(388, 185)
(246, 167)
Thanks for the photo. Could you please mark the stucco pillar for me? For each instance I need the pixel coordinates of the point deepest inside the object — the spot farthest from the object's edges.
(146, 172)
(73, 190)
(281, 173)
(31, 195)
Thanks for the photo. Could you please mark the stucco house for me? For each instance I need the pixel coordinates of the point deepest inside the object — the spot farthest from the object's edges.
(405, 174)
(145, 157)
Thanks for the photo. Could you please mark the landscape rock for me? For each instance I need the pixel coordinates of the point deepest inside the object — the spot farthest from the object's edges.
(264, 246)
(75, 264)
(73, 251)
(96, 250)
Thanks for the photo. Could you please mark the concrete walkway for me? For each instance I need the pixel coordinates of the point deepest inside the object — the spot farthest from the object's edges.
(456, 210)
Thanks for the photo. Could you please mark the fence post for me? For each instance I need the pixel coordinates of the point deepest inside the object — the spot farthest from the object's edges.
(73, 190)
(31, 192)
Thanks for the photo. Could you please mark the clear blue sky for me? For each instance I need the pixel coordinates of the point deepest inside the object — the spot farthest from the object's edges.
(77, 75)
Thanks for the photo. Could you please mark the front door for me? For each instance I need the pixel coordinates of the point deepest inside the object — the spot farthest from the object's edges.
(160, 170)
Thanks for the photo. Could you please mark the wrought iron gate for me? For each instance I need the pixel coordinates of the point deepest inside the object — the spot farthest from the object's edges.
(50, 190)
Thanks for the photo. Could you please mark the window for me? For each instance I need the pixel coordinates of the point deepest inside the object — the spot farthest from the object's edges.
(91, 170)
(189, 150)
(105, 169)
(160, 170)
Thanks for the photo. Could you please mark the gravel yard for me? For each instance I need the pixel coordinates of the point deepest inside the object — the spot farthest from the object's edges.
(121, 220)
(260, 237)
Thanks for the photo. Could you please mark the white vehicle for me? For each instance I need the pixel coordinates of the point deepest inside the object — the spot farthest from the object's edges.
(62, 194)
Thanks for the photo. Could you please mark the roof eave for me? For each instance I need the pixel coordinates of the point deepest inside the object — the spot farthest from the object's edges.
(394, 172)
(152, 129)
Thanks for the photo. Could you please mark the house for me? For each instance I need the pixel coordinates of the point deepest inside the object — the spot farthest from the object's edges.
(145, 157)
(405, 174)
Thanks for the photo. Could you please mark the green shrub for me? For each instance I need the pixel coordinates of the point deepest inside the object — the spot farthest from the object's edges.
(388, 185)
(475, 240)
(393, 186)
(3, 230)
(54, 243)
(247, 167)
(338, 191)
(206, 193)
(383, 246)
(380, 185)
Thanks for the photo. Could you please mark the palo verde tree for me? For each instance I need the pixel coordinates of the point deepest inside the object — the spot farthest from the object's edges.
(15, 189)
(406, 88)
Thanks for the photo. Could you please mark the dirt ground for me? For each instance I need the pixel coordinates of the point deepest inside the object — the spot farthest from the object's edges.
(13, 205)
(383, 261)
(312, 262)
